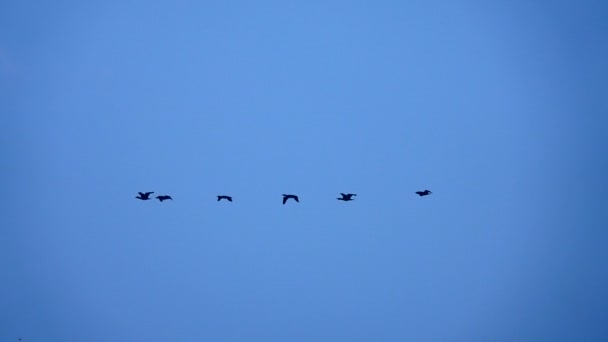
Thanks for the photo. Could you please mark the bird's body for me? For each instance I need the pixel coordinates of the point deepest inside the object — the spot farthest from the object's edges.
(219, 198)
(164, 198)
(346, 197)
(424, 193)
(286, 197)
(144, 195)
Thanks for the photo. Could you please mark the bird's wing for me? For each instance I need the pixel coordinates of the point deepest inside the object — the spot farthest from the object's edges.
(148, 193)
(296, 198)
(285, 198)
(343, 195)
(141, 194)
(229, 198)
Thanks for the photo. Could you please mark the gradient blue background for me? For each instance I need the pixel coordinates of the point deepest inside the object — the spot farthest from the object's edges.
(499, 109)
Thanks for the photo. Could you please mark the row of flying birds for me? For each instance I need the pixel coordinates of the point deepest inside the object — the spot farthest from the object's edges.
(345, 197)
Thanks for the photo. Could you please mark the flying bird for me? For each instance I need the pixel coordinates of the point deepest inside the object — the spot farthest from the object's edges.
(219, 198)
(286, 197)
(144, 196)
(424, 193)
(164, 197)
(346, 197)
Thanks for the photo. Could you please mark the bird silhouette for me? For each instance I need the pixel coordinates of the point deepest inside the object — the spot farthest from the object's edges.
(286, 197)
(164, 197)
(219, 198)
(144, 196)
(346, 197)
(424, 193)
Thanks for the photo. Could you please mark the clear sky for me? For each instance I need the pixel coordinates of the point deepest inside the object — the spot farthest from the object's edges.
(500, 109)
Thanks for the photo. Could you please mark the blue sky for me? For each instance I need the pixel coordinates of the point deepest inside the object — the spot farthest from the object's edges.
(499, 109)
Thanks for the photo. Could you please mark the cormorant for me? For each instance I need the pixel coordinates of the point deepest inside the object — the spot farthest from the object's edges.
(144, 196)
(424, 193)
(346, 197)
(286, 197)
(164, 197)
(219, 198)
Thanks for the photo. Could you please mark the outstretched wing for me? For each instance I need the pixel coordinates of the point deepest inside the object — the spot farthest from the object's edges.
(147, 193)
(296, 198)
(285, 198)
(229, 198)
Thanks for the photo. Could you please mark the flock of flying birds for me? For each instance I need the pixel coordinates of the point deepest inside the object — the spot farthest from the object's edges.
(345, 197)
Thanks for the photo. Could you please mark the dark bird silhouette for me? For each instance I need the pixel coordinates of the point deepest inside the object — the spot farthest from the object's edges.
(286, 197)
(346, 197)
(144, 196)
(164, 197)
(424, 193)
(219, 198)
